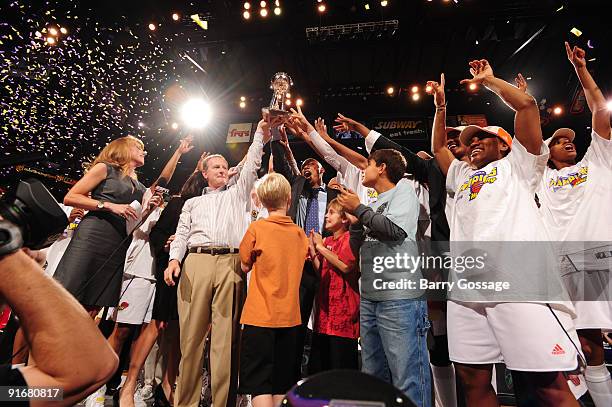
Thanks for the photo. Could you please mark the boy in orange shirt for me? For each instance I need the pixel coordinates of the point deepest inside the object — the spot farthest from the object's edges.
(274, 249)
(334, 342)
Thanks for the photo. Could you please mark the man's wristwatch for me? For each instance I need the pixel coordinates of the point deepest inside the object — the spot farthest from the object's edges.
(100, 205)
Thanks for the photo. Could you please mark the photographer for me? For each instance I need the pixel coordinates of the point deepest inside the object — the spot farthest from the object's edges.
(62, 338)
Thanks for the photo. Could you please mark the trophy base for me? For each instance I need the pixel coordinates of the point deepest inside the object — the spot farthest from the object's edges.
(275, 112)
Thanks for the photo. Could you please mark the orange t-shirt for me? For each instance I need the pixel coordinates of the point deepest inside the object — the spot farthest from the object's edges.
(273, 299)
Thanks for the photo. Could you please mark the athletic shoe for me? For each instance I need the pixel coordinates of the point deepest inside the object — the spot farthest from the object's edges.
(146, 392)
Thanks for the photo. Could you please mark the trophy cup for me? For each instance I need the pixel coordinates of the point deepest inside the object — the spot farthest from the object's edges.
(280, 85)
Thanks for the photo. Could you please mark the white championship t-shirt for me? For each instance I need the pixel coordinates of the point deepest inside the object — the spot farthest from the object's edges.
(496, 204)
(576, 201)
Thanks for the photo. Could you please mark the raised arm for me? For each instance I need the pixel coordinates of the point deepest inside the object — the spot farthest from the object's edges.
(527, 128)
(248, 175)
(595, 99)
(347, 124)
(168, 171)
(288, 153)
(443, 155)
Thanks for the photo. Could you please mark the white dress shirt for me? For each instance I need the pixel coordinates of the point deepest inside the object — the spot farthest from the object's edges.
(216, 218)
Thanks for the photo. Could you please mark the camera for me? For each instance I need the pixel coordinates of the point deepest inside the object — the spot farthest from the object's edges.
(32, 217)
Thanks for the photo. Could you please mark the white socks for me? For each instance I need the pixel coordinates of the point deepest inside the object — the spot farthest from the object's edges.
(600, 385)
(444, 385)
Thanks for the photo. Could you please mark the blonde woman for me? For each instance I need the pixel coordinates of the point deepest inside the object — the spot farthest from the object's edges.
(92, 266)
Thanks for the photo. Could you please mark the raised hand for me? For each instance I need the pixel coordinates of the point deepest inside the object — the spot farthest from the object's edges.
(320, 126)
(295, 127)
(348, 124)
(480, 70)
(437, 90)
(576, 55)
(301, 120)
(284, 140)
(185, 145)
(521, 83)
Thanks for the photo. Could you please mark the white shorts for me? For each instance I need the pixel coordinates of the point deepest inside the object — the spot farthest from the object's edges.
(136, 303)
(593, 315)
(525, 336)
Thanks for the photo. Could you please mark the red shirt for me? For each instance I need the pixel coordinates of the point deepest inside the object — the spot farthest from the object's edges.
(338, 297)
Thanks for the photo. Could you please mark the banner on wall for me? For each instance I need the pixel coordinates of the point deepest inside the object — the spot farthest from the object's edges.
(469, 119)
(239, 133)
(401, 128)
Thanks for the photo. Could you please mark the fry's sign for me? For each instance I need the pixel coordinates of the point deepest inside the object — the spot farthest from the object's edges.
(239, 133)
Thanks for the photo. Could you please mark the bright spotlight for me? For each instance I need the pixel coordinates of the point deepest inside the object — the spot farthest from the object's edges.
(141, 124)
(175, 16)
(609, 105)
(242, 105)
(247, 5)
(196, 113)
(242, 98)
(263, 12)
(246, 15)
(557, 110)
(288, 102)
(262, 4)
(288, 94)
(63, 30)
(299, 102)
(277, 11)
(367, 6)
(390, 90)
(50, 40)
(428, 88)
(321, 8)
(416, 96)
(175, 126)
(53, 31)
(473, 86)
(152, 27)
(384, 3)
(414, 89)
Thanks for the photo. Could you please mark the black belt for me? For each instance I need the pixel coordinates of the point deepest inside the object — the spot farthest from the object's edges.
(214, 251)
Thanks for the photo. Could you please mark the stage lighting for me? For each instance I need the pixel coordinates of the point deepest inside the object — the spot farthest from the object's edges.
(414, 89)
(246, 15)
(277, 11)
(63, 30)
(321, 8)
(367, 6)
(299, 102)
(152, 27)
(288, 102)
(384, 3)
(609, 105)
(263, 12)
(557, 110)
(288, 95)
(175, 126)
(262, 4)
(242, 99)
(196, 113)
(472, 86)
(428, 89)
(242, 105)
(416, 96)
(247, 5)
(53, 31)
(175, 16)
(141, 124)
(390, 90)
(51, 41)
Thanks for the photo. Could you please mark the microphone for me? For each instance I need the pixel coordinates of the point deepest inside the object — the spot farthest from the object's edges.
(160, 188)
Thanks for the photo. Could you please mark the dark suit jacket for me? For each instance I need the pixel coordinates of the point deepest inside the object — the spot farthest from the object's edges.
(428, 172)
(299, 185)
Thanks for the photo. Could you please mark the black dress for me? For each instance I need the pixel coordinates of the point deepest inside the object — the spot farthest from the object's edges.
(165, 303)
(91, 269)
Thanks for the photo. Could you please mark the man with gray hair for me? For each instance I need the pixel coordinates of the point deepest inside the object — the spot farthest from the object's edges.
(212, 288)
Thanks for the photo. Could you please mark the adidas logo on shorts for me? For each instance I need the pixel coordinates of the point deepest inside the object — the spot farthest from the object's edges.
(558, 350)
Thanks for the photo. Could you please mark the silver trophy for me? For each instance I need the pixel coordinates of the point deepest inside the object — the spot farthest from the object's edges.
(280, 85)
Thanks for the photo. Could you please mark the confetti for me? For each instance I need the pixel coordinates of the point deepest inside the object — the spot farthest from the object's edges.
(576, 32)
